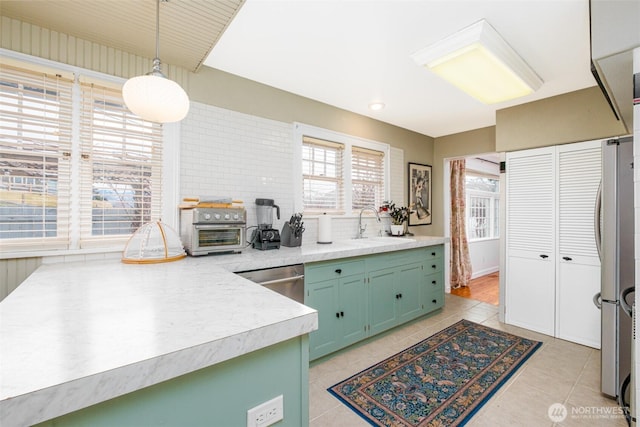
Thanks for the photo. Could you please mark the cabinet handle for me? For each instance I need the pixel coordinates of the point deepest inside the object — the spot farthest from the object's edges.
(543, 256)
(338, 315)
(342, 314)
(566, 258)
(433, 254)
(434, 266)
(339, 270)
(397, 296)
(433, 282)
(400, 295)
(434, 301)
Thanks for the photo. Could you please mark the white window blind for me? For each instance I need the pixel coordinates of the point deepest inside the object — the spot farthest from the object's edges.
(121, 166)
(322, 172)
(35, 145)
(367, 178)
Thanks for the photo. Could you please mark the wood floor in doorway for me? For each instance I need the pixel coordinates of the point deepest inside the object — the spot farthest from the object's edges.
(484, 288)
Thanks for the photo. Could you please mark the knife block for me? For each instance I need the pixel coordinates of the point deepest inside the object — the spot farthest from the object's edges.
(287, 238)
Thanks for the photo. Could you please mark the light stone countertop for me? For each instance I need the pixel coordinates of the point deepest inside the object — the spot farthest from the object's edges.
(77, 334)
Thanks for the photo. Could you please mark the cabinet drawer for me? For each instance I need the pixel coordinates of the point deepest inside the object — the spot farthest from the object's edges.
(435, 282)
(434, 300)
(434, 252)
(433, 266)
(325, 271)
(396, 258)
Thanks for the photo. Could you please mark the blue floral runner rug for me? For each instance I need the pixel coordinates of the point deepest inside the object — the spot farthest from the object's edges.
(441, 381)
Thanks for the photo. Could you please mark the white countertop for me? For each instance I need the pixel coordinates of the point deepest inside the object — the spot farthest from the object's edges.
(77, 334)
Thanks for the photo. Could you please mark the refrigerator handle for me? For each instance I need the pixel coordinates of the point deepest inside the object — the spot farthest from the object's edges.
(597, 300)
(597, 228)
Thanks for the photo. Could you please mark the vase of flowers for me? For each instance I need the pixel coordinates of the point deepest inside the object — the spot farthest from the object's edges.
(398, 217)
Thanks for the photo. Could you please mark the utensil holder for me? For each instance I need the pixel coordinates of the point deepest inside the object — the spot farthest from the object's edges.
(288, 238)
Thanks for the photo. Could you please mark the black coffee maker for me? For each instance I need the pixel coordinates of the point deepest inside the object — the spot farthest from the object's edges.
(265, 237)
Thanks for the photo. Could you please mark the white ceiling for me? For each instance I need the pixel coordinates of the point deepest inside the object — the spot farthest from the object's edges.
(350, 53)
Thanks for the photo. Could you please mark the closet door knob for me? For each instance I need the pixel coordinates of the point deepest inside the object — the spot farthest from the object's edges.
(566, 258)
(543, 256)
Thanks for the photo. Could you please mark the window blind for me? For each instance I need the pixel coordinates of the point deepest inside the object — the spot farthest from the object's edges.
(367, 178)
(35, 146)
(322, 173)
(121, 167)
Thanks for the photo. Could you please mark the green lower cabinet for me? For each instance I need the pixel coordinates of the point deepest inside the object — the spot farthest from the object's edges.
(341, 312)
(363, 296)
(394, 296)
(219, 395)
(382, 300)
(410, 285)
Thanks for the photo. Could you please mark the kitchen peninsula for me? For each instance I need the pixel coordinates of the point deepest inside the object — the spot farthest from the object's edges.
(175, 343)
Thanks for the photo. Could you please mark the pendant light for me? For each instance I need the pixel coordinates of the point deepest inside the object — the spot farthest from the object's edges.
(153, 96)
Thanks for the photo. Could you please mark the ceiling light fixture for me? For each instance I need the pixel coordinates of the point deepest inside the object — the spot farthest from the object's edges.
(376, 106)
(153, 96)
(479, 62)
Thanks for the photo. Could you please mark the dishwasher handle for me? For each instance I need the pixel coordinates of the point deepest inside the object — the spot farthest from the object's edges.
(286, 279)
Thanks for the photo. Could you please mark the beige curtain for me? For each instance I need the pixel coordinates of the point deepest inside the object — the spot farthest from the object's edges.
(460, 260)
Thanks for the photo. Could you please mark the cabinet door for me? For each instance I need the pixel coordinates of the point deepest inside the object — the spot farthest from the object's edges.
(352, 308)
(323, 297)
(410, 282)
(382, 300)
(530, 240)
(578, 278)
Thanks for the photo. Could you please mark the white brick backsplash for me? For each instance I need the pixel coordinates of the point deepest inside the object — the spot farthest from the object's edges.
(230, 154)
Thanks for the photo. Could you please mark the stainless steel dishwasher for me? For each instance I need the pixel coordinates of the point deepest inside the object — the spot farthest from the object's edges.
(287, 280)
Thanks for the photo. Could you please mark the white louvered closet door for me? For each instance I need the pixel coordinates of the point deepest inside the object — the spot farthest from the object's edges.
(530, 239)
(578, 264)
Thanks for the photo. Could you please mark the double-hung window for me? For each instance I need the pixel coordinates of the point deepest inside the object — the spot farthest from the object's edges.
(77, 169)
(342, 174)
(322, 175)
(483, 204)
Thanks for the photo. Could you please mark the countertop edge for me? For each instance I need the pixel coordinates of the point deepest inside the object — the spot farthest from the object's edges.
(86, 391)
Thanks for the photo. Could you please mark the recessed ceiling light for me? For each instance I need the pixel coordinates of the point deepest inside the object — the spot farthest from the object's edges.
(375, 106)
(479, 62)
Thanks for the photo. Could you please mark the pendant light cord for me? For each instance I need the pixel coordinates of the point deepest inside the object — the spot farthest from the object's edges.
(158, 29)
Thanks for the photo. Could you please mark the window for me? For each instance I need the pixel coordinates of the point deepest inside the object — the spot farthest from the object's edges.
(69, 183)
(483, 203)
(123, 165)
(367, 178)
(322, 175)
(342, 174)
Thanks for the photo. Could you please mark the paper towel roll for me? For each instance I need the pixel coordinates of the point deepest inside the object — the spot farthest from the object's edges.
(324, 229)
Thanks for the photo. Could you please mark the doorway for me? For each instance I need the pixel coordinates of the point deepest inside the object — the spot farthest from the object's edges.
(482, 202)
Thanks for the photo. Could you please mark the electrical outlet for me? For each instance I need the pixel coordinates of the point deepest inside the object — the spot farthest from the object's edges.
(267, 413)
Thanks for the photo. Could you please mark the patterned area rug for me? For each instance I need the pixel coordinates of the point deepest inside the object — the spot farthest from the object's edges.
(441, 381)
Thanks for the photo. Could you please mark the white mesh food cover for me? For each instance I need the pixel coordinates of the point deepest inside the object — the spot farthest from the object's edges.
(153, 242)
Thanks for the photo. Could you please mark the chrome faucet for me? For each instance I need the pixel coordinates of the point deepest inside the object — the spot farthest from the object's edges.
(361, 229)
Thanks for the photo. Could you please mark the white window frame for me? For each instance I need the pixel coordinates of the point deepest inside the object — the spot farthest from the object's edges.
(494, 203)
(301, 130)
(170, 164)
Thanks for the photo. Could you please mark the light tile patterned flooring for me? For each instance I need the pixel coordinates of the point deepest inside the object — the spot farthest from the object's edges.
(559, 372)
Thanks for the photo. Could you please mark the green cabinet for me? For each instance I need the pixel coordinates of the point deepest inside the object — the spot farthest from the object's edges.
(335, 289)
(363, 296)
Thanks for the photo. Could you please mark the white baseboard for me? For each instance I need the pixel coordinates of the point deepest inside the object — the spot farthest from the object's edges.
(484, 272)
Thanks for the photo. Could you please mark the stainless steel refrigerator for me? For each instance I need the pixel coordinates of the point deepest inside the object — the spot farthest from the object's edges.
(615, 232)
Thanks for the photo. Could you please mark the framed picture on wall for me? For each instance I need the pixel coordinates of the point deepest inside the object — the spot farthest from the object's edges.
(419, 194)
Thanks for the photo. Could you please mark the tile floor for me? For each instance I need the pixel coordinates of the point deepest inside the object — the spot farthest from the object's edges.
(559, 372)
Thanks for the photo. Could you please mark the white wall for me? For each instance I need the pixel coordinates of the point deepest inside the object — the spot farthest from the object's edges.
(485, 257)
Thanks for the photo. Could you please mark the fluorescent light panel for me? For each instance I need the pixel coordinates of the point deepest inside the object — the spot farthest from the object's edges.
(479, 62)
